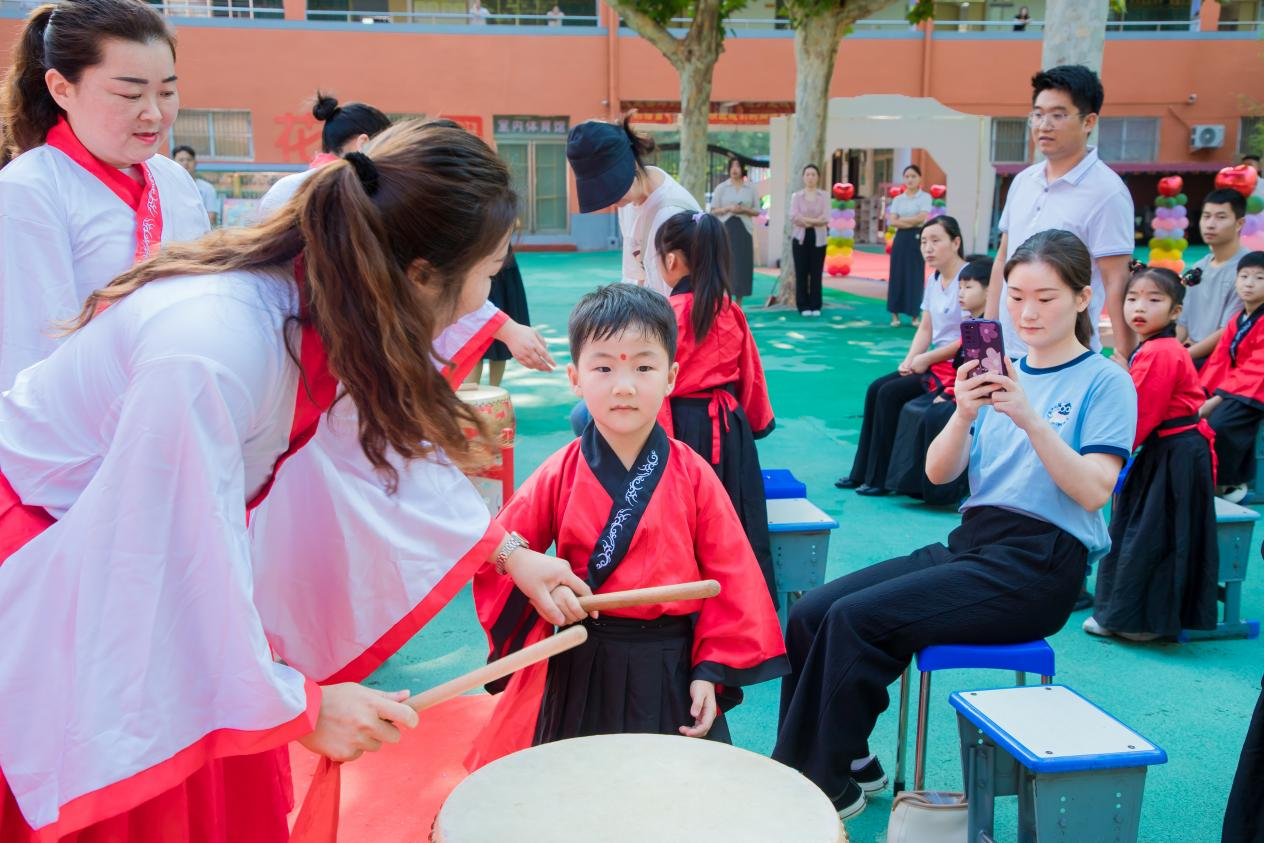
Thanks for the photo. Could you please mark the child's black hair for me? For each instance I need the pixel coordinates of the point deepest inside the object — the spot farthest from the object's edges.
(705, 244)
(344, 122)
(978, 268)
(1168, 282)
(1082, 85)
(1225, 196)
(609, 311)
(1251, 260)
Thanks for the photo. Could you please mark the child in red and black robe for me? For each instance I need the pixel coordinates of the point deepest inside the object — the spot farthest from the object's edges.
(1233, 377)
(1161, 573)
(922, 418)
(719, 406)
(629, 508)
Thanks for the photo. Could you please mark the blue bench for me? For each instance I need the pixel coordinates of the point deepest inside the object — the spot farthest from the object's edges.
(1030, 657)
(1078, 773)
(799, 532)
(1235, 527)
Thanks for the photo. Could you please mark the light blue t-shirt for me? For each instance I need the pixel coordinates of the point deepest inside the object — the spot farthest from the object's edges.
(1092, 404)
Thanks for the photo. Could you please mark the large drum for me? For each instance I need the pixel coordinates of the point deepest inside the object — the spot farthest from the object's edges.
(496, 482)
(635, 789)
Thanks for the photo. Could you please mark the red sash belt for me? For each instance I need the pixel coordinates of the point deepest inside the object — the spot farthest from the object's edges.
(19, 523)
(721, 403)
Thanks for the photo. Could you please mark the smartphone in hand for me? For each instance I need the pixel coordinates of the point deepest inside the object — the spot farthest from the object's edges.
(981, 340)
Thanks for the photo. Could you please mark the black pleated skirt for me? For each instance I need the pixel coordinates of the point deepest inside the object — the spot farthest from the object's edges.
(741, 257)
(508, 293)
(908, 273)
(629, 676)
(921, 420)
(1162, 572)
(738, 470)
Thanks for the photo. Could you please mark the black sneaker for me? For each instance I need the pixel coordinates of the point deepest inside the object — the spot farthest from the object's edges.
(851, 802)
(871, 777)
(846, 483)
(873, 491)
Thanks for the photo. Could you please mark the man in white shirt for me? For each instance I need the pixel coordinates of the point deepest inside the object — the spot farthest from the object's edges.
(187, 158)
(1072, 190)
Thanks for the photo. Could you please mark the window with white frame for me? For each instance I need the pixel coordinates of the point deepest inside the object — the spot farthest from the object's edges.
(220, 135)
(1009, 140)
(1250, 135)
(1128, 138)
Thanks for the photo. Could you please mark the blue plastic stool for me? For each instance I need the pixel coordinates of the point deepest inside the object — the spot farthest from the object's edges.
(780, 483)
(1031, 657)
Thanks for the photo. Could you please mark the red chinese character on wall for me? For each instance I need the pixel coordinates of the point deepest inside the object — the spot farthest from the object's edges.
(299, 137)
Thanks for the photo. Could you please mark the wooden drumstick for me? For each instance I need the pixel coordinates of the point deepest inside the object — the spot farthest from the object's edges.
(699, 590)
(537, 652)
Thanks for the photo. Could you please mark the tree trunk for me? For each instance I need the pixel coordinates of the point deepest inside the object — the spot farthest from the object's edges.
(815, 52)
(1075, 33)
(696, 73)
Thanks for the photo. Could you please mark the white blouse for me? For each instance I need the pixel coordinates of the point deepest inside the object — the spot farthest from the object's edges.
(944, 310)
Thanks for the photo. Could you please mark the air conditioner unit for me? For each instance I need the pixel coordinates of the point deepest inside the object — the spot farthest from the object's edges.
(1208, 136)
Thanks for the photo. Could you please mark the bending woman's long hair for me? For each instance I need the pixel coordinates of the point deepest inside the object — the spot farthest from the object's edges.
(442, 204)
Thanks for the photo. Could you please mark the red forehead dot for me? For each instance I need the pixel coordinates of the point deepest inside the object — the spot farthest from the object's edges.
(623, 357)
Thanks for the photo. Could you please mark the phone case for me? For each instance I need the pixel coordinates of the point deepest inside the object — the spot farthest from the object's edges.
(981, 340)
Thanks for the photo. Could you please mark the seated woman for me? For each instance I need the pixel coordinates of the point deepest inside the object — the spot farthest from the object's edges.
(924, 416)
(1044, 444)
(933, 344)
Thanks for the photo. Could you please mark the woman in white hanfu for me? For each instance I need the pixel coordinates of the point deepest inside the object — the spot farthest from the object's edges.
(159, 652)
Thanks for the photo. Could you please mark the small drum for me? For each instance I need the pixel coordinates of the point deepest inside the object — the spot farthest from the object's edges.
(495, 482)
(633, 789)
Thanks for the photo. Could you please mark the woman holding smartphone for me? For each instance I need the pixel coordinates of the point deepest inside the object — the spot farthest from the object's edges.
(1044, 443)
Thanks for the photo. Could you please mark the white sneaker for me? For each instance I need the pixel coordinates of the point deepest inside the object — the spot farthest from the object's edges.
(1234, 494)
(1139, 636)
(816, 313)
(805, 313)
(1092, 627)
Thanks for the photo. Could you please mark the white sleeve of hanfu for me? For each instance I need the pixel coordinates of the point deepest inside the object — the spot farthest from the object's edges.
(37, 279)
(129, 625)
(478, 326)
(346, 572)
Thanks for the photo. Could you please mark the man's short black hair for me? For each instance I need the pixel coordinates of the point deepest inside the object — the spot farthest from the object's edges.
(1250, 156)
(1224, 196)
(184, 148)
(1078, 82)
(1251, 260)
(609, 311)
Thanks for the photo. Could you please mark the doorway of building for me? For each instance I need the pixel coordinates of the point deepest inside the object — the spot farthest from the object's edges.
(538, 168)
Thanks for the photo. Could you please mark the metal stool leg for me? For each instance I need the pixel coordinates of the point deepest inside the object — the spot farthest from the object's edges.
(1020, 678)
(1046, 680)
(901, 730)
(923, 716)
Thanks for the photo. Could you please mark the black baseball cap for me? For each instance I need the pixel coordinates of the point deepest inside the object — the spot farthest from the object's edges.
(604, 164)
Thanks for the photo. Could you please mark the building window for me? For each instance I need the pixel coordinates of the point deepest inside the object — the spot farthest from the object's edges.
(1250, 135)
(1009, 140)
(219, 135)
(1128, 138)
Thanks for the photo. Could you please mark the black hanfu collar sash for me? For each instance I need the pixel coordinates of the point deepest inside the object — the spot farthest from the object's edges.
(630, 492)
(1242, 326)
(1167, 333)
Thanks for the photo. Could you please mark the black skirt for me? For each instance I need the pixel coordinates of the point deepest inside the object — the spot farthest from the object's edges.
(908, 273)
(738, 470)
(921, 420)
(1244, 818)
(508, 294)
(629, 676)
(1162, 572)
(741, 257)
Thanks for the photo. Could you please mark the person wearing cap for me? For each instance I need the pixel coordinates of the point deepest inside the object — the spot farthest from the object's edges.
(609, 173)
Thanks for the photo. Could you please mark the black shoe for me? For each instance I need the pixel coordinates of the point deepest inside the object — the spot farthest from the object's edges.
(873, 491)
(846, 483)
(871, 777)
(1084, 601)
(851, 802)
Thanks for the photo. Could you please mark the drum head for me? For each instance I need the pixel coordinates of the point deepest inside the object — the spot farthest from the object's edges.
(473, 393)
(636, 788)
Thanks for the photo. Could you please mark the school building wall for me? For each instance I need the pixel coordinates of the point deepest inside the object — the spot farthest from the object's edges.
(271, 68)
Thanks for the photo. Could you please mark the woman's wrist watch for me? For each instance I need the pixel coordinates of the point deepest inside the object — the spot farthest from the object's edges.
(513, 542)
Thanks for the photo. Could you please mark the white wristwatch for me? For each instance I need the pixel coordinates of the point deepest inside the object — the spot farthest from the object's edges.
(513, 541)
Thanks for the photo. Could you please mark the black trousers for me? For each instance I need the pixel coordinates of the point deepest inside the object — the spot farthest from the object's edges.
(884, 400)
(809, 263)
(1236, 424)
(1004, 578)
(1244, 817)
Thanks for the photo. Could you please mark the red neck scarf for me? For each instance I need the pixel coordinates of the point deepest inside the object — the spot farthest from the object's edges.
(141, 198)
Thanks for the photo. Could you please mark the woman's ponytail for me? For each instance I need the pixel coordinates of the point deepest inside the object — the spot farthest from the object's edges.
(67, 37)
(705, 244)
(28, 110)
